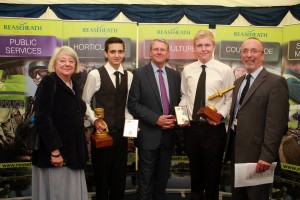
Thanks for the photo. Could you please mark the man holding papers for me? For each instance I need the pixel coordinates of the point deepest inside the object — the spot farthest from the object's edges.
(259, 115)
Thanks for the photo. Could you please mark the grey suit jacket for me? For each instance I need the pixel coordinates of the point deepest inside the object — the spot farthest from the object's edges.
(144, 103)
(262, 118)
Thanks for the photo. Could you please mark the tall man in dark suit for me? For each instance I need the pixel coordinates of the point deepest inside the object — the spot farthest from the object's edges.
(259, 115)
(154, 92)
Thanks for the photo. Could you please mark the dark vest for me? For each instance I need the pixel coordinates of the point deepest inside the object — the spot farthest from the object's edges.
(111, 100)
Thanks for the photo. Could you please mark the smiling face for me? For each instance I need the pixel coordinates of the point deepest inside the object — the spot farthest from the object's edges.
(115, 54)
(65, 65)
(204, 49)
(252, 54)
(159, 53)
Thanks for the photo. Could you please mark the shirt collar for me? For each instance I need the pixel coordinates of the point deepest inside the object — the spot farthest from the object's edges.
(155, 68)
(207, 63)
(110, 70)
(256, 72)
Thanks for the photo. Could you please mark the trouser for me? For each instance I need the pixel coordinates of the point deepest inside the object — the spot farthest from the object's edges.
(109, 164)
(205, 147)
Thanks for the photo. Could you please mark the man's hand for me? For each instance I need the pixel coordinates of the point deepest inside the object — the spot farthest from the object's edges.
(166, 121)
(262, 166)
(212, 122)
(184, 125)
(100, 127)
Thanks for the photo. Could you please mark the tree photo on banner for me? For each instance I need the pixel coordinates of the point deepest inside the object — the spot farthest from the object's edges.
(289, 151)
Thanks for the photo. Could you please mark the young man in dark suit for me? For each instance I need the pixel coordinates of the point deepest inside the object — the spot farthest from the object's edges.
(154, 92)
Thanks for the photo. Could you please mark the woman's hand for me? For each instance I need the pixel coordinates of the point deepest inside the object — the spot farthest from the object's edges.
(56, 158)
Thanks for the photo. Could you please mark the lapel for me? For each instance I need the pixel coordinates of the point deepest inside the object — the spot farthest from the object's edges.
(61, 84)
(152, 82)
(235, 92)
(257, 82)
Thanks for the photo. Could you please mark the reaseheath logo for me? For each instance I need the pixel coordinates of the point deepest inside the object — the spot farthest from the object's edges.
(21, 27)
(250, 33)
(99, 29)
(173, 31)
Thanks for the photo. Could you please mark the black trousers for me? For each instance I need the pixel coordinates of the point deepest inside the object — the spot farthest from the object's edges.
(109, 164)
(205, 147)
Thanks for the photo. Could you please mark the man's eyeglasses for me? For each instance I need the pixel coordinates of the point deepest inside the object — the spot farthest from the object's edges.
(159, 49)
(40, 72)
(252, 51)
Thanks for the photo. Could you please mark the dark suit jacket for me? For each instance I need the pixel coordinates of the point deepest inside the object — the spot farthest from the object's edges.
(144, 103)
(262, 118)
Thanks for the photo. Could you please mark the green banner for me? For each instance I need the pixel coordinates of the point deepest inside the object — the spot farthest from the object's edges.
(230, 38)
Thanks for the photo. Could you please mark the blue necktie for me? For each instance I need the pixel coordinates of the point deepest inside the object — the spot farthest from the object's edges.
(163, 93)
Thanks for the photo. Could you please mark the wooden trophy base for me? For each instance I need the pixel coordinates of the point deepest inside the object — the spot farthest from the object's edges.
(100, 141)
(207, 112)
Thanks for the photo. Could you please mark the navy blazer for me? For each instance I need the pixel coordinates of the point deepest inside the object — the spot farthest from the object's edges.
(60, 118)
(144, 103)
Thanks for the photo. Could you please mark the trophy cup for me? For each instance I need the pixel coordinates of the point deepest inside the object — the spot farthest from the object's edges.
(210, 111)
(101, 139)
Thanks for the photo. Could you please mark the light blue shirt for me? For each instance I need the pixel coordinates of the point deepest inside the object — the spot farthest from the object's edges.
(253, 77)
(164, 75)
(237, 105)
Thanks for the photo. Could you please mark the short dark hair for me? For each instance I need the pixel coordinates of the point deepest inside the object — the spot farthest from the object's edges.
(113, 40)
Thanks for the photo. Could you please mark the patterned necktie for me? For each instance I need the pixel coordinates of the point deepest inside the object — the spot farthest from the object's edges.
(117, 79)
(200, 94)
(163, 93)
(245, 89)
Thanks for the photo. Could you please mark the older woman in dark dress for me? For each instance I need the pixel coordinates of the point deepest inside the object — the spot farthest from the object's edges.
(58, 165)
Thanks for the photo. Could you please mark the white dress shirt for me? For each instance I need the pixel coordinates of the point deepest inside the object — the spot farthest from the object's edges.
(93, 84)
(218, 77)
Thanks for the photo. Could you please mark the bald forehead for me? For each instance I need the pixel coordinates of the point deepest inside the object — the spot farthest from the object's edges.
(252, 42)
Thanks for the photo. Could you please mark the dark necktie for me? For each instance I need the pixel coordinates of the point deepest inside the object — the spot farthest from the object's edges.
(246, 88)
(163, 93)
(200, 94)
(117, 79)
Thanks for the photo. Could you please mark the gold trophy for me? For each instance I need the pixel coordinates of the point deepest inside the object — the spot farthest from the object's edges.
(210, 111)
(101, 139)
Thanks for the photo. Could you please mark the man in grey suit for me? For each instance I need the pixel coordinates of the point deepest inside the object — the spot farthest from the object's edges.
(259, 116)
(154, 92)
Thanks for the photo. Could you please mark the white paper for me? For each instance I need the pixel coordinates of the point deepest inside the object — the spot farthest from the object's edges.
(245, 175)
(182, 116)
(131, 127)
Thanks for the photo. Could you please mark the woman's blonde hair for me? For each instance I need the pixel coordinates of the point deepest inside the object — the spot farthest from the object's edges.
(66, 50)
